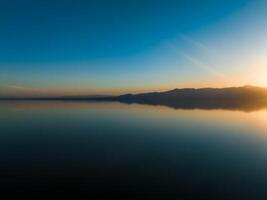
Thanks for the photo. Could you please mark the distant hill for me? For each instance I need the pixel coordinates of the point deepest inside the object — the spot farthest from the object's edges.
(245, 98)
(231, 93)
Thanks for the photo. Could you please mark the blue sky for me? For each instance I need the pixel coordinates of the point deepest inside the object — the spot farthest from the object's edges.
(113, 46)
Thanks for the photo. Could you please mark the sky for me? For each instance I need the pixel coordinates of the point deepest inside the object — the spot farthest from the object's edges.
(78, 47)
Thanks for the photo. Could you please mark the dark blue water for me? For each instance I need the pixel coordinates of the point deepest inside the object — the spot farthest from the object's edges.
(106, 150)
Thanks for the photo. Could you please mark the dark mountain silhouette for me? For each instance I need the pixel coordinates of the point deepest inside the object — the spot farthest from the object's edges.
(247, 98)
(244, 98)
(244, 93)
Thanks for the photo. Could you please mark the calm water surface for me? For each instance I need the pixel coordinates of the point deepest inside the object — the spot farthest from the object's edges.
(133, 151)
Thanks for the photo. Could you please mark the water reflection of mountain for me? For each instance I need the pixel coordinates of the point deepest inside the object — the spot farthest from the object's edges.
(246, 98)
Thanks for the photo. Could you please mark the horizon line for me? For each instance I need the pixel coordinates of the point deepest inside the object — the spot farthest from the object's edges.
(125, 93)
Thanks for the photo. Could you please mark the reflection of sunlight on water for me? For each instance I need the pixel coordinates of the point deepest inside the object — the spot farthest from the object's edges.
(51, 105)
(250, 122)
(260, 119)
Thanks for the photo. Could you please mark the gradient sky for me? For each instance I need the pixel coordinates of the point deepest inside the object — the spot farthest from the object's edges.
(58, 47)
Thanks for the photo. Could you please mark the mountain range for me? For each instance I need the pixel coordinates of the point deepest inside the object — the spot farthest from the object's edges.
(241, 98)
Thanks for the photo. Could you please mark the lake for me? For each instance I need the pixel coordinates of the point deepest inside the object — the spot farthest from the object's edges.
(131, 151)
